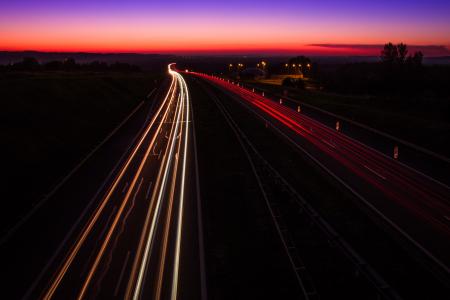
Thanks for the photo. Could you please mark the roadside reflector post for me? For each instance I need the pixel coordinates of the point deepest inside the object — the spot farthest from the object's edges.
(253, 90)
(395, 152)
(263, 94)
(299, 109)
(281, 101)
(338, 126)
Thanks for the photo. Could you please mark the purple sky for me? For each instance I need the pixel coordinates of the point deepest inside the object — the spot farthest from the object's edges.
(227, 26)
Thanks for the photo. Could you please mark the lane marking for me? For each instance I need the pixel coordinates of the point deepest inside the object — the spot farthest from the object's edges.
(375, 172)
(125, 187)
(116, 291)
(154, 148)
(86, 264)
(148, 190)
(328, 143)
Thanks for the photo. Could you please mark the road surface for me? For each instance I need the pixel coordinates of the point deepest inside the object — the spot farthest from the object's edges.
(412, 204)
(140, 240)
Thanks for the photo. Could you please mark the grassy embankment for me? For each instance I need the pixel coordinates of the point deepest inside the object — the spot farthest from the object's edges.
(416, 119)
(51, 120)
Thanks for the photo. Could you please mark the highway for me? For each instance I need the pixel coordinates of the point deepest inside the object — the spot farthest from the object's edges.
(141, 240)
(412, 204)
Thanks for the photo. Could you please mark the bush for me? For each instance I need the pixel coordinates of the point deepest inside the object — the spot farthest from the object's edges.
(294, 83)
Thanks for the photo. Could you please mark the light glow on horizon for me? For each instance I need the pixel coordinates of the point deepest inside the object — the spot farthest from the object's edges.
(220, 27)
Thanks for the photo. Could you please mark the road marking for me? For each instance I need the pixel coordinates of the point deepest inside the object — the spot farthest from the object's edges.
(375, 172)
(328, 143)
(150, 94)
(148, 190)
(116, 291)
(85, 266)
(125, 187)
(154, 148)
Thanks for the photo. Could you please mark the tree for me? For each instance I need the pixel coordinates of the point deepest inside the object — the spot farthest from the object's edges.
(417, 59)
(53, 65)
(293, 82)
(402, 51)
(389, 54)
(69, 64)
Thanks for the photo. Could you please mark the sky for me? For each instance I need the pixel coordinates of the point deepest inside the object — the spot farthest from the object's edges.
(321, 27)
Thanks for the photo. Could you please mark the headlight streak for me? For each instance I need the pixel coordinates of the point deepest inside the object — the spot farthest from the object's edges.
(156, 264)
(88, 228)
(150, 236)
(183, 178)
(168, 168)
(121, 209)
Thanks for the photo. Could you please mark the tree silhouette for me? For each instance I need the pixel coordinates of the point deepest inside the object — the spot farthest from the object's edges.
(402, 51)
(389, 54)
(417, 59)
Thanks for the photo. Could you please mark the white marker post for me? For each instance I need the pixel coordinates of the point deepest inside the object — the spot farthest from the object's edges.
(395, 152)
(338, 126)
(299, 109)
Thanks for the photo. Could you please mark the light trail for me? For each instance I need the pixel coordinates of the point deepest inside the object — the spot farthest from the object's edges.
(169, 168)
(152, 216)
(121, 209)
(410, 191)
(88, 228)
(161, 189)
(183, 179)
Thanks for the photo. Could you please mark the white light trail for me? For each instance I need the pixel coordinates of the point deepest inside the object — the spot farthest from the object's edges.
(181, 116)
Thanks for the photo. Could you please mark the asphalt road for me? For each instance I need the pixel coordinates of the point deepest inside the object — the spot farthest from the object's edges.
(137, 237)
(413, 205)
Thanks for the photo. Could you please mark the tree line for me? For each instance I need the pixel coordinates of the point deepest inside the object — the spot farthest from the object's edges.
(68, 65)
(397, 72)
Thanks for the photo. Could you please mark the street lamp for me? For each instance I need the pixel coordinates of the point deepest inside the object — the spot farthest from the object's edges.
(263, 63)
